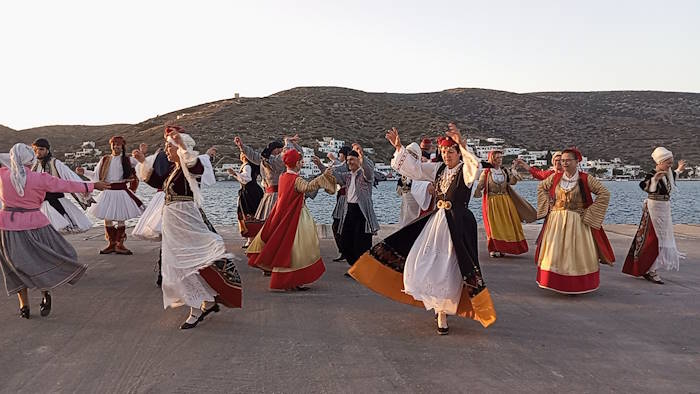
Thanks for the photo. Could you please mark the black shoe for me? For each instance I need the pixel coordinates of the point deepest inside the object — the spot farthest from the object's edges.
(655, 278)
(215, 308)
(45, 306)
(443, 331)
(301, 288)
(24, 312)
(187, 326)
(339, 258)
(159, 280)
(267, 273)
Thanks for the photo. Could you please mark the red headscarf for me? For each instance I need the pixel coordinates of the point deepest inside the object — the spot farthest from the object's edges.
(426, 141)
(291, 157)
(446, 141)
(575, 152)
(171, 129)
(118, 140)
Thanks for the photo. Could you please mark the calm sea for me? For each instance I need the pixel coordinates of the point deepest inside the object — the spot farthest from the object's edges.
(625, 205)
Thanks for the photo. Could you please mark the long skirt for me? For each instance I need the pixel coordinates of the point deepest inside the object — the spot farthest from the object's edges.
(417, 265)
(115, 205)
(249, 197)
(306, 265)
(195, 264)
(504, 232)
(265, 207)
(568, 255)
(654, 244)
(150, 223)
(73, 220)
(37, 259)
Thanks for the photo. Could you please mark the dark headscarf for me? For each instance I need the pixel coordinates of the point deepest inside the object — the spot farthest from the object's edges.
(276, 144)
(43, 143)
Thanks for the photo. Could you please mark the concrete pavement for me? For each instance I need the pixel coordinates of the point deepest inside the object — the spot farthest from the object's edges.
(109, 333)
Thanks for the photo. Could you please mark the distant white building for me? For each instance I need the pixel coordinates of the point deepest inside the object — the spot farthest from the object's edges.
(540, 154)
(330, 144)
(308, 168)
(495, 140)
(512, 151)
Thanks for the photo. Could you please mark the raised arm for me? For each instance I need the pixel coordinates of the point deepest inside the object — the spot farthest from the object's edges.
(406, 164)
(471, 166)
(478, 192)
(208, 177)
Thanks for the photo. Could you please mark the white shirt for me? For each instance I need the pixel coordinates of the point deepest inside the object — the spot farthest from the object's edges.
(352, 194)
(567, 183)
(498, 175)
(245, 175)
(115, 172)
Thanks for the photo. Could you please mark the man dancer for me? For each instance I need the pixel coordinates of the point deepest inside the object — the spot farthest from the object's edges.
(341, 197)
(64, 216)
(358, 221)
(118, 204)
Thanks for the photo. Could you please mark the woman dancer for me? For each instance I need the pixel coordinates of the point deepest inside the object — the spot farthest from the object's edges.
(33, 255)
(197, 270)
(249, 195)
(503, 209)
(572, 241)
(433, 262)
(654, 245)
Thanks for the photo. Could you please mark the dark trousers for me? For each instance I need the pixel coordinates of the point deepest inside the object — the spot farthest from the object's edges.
(336, 236)
(354, 240)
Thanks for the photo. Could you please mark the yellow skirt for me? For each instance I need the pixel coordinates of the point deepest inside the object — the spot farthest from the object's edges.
(568, 257)
(504, 231)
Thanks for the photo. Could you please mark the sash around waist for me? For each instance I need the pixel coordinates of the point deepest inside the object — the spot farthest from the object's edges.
(271, 189)
(14, 210)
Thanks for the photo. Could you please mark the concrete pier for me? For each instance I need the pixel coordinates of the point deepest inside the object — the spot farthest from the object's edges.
(110, 334)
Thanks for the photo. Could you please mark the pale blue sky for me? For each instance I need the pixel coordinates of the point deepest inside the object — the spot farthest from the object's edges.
(98, 62)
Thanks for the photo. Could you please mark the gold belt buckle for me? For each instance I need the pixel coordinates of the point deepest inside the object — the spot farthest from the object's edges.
(444, 204)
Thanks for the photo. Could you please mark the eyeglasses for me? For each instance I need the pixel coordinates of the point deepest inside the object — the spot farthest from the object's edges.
(567, 160)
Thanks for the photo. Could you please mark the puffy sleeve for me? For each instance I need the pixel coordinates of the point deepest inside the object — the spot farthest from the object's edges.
(208, 177)
(368, 169)
(471, 166)
(478, 192)
(410, 166)
(543, 200)
(277, 164)
(324, 181)
(94, 174)
(246, 175)
(595, 214)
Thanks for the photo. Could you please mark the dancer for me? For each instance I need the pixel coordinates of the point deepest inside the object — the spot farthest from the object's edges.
(64, 216)
(654, 245)
(288, 245)
(358, 222)
(197, 270)
(33, 255)
(249, 195)
(503, 209)
(341, 196)
(572, 241)
(119, 203)
(434, 262)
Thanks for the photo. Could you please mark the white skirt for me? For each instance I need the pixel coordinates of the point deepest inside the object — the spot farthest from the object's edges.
(149, 224)
(431, 273)
(115, 205)
(188, 246)
(410, 210)
(669, 256)
(75, 220)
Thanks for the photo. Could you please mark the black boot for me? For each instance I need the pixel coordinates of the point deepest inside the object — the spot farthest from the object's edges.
(159, 280)
(45, 306)
(24, 312)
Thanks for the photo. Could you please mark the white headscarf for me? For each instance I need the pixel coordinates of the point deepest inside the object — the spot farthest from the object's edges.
(21, 155)
(186, 156)
(661, 154)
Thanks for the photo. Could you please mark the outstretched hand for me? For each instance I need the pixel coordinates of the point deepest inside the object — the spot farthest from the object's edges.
(80, 170)
(138, 155)
(392, 135)
(238, 142)
(99, 185)
(681, 166)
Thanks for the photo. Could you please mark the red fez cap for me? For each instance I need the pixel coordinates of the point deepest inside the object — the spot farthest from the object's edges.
(426, 141)
(117, 139)
(171, 129)
(291, 157)
(446, 141)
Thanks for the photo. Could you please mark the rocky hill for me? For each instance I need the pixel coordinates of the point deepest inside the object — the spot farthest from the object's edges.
(626, 124)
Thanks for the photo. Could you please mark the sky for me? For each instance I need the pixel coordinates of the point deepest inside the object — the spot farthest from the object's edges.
(101, 62)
